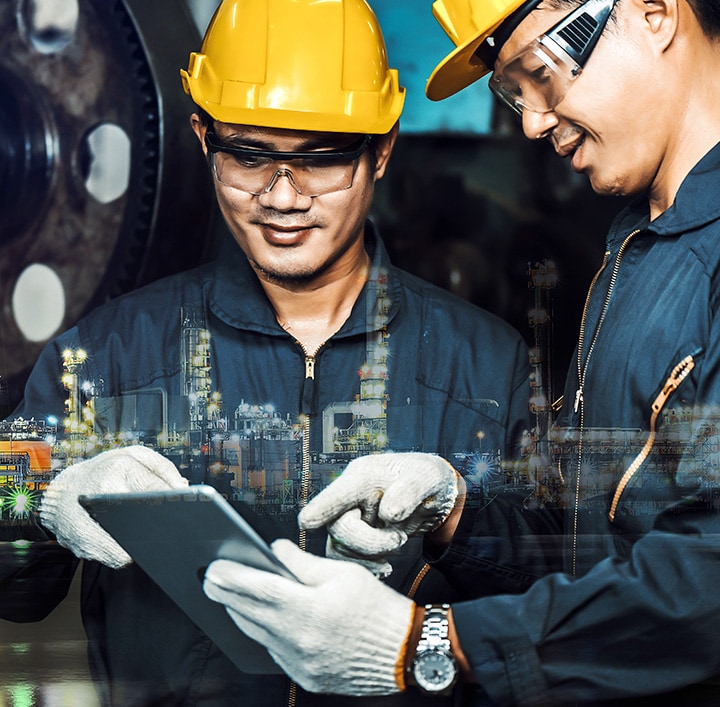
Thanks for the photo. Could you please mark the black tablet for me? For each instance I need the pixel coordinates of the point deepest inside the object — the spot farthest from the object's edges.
(173, 536)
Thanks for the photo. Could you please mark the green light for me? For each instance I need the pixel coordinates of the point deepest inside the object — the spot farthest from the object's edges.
(21, 502)
(21, 695)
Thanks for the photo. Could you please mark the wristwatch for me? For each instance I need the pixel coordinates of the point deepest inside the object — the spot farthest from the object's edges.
(434, 669)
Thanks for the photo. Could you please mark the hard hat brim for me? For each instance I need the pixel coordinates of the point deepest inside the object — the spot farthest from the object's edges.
(457, 70)
(462, 66)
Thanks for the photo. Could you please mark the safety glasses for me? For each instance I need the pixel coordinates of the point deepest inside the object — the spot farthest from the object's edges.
(541, 73)
(310, 173)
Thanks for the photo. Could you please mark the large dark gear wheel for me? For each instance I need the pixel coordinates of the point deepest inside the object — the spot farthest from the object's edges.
(91, 88)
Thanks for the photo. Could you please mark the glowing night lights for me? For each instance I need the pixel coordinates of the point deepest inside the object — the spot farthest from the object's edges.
(20, 502)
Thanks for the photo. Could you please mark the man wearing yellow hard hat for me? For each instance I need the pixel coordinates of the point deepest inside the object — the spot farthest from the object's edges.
(296, 354)
(610, 598)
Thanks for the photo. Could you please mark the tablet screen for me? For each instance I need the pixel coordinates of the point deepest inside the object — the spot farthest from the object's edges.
(173, 536)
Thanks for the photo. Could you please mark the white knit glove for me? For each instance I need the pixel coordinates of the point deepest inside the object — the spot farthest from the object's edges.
(338, 630)
(379, 501)
(121, 470)
(374, 549)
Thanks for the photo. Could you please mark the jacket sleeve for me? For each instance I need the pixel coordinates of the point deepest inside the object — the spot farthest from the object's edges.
(605, 635)
(503, 543)
(44, 394)
(641, 621)
(35, 572)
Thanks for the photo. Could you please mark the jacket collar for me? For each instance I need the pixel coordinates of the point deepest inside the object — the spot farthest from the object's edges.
(696, 203)
(236, 296)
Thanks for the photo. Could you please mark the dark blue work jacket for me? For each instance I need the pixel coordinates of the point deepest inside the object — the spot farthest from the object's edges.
(631, 612)
(198, 366)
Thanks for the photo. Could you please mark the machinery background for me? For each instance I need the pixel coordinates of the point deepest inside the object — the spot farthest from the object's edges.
(102, 186)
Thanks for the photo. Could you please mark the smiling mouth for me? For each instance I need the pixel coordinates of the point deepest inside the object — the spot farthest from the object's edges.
(288, 230)
(567, 141)
(568, 149)
(285, 235)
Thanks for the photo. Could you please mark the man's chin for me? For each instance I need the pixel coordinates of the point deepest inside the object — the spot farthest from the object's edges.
(608, 187)
(287, 276)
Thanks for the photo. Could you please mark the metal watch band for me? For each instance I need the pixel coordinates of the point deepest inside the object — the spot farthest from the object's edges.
(435, 628)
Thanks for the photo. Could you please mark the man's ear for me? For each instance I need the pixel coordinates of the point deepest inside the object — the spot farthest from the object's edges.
(383, 149)
(199, 129)
(661, 17)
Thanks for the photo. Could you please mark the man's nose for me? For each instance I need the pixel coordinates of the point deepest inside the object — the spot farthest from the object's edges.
(282, 193)
(538, 125)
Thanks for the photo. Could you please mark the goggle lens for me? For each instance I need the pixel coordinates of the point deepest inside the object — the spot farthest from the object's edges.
(310, 173)
(259, 174)
(537, 78)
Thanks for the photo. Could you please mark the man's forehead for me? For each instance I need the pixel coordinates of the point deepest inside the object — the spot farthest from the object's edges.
(281, 139)
(535, 24)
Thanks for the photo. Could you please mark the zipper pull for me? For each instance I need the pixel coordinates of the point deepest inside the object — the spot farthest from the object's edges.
(578, 398)
(307, 396)
(678, 375)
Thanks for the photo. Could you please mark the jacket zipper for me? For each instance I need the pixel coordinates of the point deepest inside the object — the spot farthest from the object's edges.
(579, 403)
(418, 581)
(310, 360)
(678, 375)
(308, 382)
(305, 470)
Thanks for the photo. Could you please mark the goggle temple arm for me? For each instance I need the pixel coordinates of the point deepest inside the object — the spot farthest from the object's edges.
(580, 31)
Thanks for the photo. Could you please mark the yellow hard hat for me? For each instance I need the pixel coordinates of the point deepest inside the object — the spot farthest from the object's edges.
(298, 64)
(470, 23)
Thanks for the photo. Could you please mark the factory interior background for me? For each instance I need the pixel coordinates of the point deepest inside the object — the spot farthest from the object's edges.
(91, 88)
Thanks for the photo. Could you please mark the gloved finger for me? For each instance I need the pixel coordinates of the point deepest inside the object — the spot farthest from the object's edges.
(109, 553)
(268, 631)
(352, 532)
(310, 569)
(253, 600)
(161, 467)
(436, 487)
(90, 541)
(341, 495)
(227, 581)
(378, 565)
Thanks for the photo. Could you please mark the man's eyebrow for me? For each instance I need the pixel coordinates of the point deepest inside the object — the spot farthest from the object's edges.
(245, 141)
(248, 141)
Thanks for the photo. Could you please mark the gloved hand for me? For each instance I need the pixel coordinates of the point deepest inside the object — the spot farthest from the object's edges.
(338, 630)
(379, 501)
(121, 470)
(372, 556)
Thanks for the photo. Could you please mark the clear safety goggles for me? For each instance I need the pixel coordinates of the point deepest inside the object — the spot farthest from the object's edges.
(541, 73)
(310, 173)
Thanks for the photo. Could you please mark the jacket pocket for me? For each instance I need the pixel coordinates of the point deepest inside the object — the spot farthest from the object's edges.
(678, 374)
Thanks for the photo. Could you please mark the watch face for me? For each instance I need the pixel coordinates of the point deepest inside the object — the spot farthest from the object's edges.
(434, 671)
